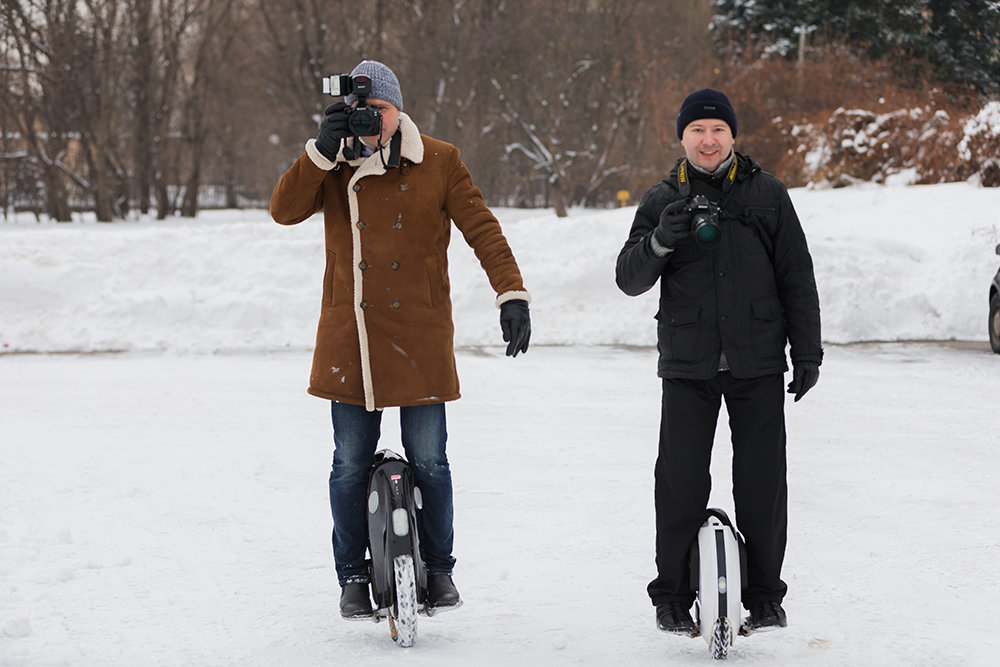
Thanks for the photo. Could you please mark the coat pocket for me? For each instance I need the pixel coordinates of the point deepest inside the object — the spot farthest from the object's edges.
(678, 333)
(435, 280)
(768, 329)
(331, 266)
(760, 223)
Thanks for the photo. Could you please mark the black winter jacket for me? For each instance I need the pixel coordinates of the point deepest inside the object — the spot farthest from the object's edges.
(746, 296)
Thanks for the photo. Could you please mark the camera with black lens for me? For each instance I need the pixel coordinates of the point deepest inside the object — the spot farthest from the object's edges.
(362, 120)
(704, 220)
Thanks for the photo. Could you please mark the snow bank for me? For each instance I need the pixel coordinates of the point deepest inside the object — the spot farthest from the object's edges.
(892, 263)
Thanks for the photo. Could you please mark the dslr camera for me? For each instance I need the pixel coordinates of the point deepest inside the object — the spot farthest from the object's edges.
(362, 120)
(704, 220)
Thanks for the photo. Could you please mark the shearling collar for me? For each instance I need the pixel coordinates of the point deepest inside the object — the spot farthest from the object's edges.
(411, 148)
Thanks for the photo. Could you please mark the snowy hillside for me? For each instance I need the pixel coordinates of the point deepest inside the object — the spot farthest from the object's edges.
(892, 263)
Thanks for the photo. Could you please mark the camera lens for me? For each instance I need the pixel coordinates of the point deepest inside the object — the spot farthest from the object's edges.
(361, 124)
(707, 232)
(365, 122)
(706, 229)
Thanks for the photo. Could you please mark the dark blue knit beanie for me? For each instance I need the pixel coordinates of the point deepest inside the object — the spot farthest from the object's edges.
(705, 103)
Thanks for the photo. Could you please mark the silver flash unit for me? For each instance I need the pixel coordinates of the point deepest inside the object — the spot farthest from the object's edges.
(340, 85)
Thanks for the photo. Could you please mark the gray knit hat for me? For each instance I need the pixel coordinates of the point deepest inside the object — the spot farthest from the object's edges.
(385, 85)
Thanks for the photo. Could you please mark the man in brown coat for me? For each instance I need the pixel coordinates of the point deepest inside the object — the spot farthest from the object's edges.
(385, 336)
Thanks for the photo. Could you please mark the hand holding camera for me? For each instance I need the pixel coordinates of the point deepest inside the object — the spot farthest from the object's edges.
(332, 129)
(696, 216)
(704, 221)
(675, 224)
(362, 120)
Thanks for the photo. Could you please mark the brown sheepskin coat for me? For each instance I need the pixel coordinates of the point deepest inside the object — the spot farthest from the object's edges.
(386, 335)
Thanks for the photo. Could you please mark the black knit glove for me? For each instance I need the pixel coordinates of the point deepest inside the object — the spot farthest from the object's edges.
(675, 224)
(515, 324)
(332, 129)
(804, 377)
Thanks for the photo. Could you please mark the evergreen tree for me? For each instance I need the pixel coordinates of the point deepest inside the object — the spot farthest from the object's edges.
(963, 42)
(775, 24)
(959, 39)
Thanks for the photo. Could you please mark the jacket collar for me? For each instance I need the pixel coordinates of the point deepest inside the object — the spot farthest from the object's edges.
(413, 146)
(719, 172)
(746, 165)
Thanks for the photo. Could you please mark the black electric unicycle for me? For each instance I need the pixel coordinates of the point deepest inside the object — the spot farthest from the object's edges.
(398, 574)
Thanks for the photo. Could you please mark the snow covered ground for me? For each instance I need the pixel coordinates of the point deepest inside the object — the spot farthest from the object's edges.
(892, 263)
(167, 505)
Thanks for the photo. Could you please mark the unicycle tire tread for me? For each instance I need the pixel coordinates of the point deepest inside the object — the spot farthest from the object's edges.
(403, 616)
(722, 638)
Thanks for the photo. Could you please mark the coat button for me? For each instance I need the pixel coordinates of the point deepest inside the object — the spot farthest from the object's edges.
(364, 305)
(362, 265)
(395, 266)
(403, 187)
(398, 224)
(357, 187)
(362, 224)
(396, 304)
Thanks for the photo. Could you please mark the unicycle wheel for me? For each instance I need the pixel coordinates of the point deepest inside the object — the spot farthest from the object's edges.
(403, 614)
(722, 638)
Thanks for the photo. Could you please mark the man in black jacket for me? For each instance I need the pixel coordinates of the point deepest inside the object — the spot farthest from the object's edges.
(733, 291)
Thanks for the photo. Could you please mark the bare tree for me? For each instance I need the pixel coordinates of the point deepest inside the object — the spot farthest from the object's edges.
(564, 104)
(115, 104)
(173, 20)
(303, 40)
(217, 27)
(171, 94)
(36, 77)
(141, 45)
(98, 79)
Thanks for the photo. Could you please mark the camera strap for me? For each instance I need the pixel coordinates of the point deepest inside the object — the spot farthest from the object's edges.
(352, 152)
(395, 147)
(729, 205)
(684, 181)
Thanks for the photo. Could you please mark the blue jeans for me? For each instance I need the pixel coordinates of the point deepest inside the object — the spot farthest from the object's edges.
(355, 436)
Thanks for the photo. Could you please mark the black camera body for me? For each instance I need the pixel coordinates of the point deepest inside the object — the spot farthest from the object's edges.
(704, 220)
(362, 120)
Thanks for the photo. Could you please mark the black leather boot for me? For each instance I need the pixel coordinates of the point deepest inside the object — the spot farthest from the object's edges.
(764, 615)
(354, 602)
(441, 593)
(675, 618)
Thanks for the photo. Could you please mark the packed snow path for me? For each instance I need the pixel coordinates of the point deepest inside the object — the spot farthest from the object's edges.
(172, 510)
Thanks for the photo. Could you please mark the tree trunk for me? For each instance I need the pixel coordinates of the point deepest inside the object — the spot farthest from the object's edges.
(559, 198)
(189, 207)
(142, 141)
(162, 200)
(56, 199)
(103, 198)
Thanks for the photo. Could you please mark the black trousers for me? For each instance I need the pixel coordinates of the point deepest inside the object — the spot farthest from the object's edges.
(690, 412)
